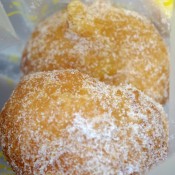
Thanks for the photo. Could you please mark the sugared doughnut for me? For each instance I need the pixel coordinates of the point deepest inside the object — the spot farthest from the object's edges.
(65, 122)
(111, 44)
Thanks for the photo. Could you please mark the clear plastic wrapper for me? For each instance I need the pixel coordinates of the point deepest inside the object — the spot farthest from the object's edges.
(19, 18)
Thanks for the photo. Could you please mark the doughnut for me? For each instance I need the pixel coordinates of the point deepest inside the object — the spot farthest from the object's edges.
(115, 45)
(65, 122)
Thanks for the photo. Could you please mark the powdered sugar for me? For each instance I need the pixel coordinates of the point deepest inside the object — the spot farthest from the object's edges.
(112, 44)
(64, 122)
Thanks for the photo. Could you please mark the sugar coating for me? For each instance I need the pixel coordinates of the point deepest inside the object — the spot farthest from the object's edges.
(115, 45)
(64, 122)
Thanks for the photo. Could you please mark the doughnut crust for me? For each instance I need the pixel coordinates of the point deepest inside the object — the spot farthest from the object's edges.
(112, 44)
(65, 122)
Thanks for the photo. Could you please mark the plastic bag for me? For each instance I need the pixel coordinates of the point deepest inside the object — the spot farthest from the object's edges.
(18, 19)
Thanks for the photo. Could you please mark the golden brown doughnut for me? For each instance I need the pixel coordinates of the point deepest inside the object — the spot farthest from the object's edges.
(65, 122)
(111, 44)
